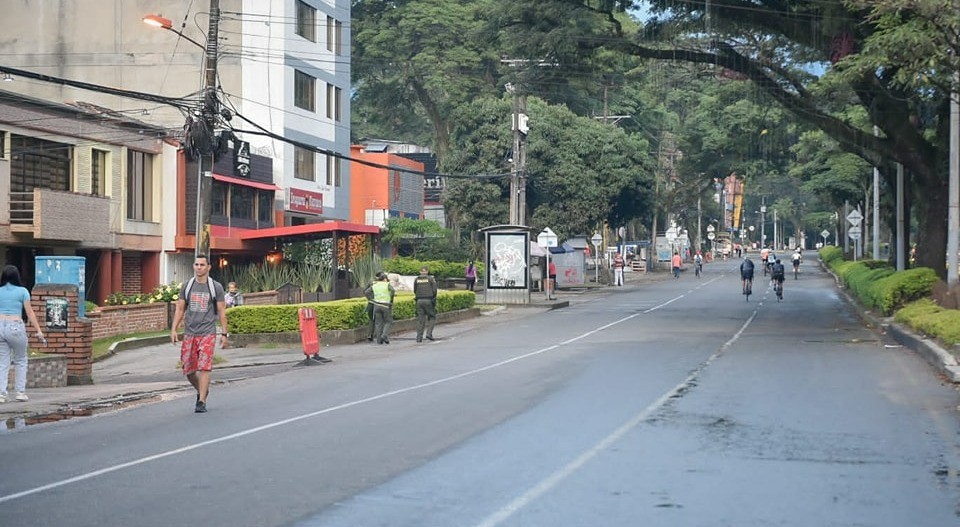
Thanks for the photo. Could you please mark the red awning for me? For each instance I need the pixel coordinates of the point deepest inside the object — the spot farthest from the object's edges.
(246, 182)
(312, 228)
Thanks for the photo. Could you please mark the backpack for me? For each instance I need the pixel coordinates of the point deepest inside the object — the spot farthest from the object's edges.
(213, 290)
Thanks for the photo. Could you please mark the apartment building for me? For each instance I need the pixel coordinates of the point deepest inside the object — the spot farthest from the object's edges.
(81, 181)
(282, 66)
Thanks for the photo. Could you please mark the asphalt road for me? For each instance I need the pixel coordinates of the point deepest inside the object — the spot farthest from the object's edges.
(674, 404)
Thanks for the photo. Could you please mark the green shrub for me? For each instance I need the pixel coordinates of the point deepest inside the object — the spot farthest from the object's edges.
(338, 314)
(926, 317)
(897, 289)
(831, 253)
(440, 269)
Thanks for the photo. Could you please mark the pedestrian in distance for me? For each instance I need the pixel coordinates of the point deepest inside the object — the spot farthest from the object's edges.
(199, 307)
(368, 292)
(425, 292)
(14, 300)
(618, 265)
(471, 275)
(382, 293)
(233, 297)
(552, 282)
(676, 263)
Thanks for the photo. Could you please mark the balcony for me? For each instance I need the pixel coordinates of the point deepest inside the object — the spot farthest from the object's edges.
(65, 216)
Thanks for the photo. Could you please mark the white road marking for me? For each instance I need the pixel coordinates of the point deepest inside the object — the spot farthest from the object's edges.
(250, 431)
(557, 477)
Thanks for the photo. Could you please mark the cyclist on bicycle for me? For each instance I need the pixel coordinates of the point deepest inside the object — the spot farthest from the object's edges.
(746, 273)
(776, 272)
(797, 258)
(698, 263)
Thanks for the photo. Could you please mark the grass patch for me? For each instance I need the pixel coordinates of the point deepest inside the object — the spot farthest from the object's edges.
(102, 346)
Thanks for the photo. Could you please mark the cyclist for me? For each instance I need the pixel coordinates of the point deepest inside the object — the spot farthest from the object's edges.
(746, 274)
(698, 263)
(776, 274)
(797, 258)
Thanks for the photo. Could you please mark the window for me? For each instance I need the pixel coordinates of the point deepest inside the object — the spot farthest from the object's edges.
(304, 91)
(98, 172)
(139, 186)
(333, 102)
(333, 171)
(242, 202)
(303, 164)
(265, 208)
(334, 30)
(3, 144)
(218, 199)
(306, 21)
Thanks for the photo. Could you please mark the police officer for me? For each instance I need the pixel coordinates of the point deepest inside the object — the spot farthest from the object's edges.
(382, 294)
(425, 291)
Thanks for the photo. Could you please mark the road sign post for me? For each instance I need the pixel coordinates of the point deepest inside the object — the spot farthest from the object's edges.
(547, 239)
(596, 241)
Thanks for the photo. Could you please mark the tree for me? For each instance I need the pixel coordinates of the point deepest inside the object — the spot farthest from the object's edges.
(776, 44)
(415, 235)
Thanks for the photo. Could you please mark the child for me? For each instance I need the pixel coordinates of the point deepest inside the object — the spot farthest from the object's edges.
(233, 298)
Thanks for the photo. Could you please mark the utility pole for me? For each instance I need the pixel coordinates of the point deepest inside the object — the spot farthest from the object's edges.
(518, 179)
(876, 205)
(953, 216)
(208, 119)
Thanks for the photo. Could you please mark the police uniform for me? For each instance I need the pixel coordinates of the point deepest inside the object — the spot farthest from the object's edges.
(425, 292)
(382, 293)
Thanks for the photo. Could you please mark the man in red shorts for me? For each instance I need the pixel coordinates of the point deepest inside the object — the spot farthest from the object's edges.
(199, 306)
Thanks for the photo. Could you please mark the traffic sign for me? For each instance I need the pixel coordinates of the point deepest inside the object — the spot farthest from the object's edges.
(597, 239)
(854, 232)
(547, 238)
(711, 235)
(825, 233)
(710, 228)
(855, 217)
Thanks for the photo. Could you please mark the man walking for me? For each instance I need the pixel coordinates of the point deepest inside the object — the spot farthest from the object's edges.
(425, 291)
(200, 304)
(382, 293)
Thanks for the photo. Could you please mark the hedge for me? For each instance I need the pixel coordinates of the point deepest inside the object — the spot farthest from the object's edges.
(926, 317)
(879, 286)
(440, 269)
(338, 314)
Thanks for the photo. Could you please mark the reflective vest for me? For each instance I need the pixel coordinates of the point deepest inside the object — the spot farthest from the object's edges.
(381, 292)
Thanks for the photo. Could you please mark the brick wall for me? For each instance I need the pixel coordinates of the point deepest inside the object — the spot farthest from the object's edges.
(134, 318)
(265, 298)
(76, 342)
(48, 371)
(132, 283)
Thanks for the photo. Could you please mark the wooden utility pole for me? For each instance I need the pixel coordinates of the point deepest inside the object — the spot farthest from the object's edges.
(209, 117)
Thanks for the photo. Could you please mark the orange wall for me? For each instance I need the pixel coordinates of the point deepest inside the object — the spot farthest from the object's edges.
(370, 186)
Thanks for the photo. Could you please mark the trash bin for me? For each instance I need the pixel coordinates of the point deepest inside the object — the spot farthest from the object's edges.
(309, 336)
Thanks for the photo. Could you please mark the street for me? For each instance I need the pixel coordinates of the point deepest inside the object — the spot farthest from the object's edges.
(676, 403)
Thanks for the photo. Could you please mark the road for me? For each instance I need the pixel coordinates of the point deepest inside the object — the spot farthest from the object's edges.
(677, 404)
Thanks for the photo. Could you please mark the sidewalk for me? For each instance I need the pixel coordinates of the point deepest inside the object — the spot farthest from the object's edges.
(150, 373)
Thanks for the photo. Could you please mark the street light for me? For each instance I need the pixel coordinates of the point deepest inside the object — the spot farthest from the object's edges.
(208, 113)
(166, 23)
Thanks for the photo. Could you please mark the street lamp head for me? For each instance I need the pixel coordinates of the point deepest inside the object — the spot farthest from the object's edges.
(158, 21)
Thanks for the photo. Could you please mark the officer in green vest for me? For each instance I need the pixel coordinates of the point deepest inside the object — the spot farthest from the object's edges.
(381, 293)
(425, 291)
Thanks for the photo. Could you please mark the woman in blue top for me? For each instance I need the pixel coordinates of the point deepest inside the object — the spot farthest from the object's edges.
(14, 299)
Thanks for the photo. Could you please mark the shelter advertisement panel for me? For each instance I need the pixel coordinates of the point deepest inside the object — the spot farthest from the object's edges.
(509, 254)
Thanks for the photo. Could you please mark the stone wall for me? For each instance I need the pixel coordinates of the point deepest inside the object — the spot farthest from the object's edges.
(132, 318)
(47, 371)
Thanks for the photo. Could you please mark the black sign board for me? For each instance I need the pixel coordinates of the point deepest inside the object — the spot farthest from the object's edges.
(241, 158)
(57, 313)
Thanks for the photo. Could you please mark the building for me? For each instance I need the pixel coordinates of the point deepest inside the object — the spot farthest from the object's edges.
(283, 66)
(82, 181)
(380, 192)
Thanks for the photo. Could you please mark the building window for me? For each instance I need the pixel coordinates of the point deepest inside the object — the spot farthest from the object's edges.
(3, 144)
(303, 164)
(304, 91)
(139, 186)
(98, 172)
(333, 102)
(334, 30)
(333, 170)
(265, 208)
(36, 163)
(306, 21)
(242, 202)
(218, 199)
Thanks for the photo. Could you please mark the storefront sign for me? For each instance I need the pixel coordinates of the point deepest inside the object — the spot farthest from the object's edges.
(241, 161)
(305, 201)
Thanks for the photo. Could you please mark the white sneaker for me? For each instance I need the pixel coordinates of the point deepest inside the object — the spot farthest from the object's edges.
(22, 397)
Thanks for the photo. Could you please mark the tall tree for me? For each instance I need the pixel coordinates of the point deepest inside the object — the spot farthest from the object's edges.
(776, 44)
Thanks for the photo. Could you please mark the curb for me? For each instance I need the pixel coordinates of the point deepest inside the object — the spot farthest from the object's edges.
(928, 349)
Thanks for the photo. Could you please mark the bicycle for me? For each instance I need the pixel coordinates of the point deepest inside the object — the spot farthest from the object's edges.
(796, 270)
(748, 288)
(778, 289)
(698, 269)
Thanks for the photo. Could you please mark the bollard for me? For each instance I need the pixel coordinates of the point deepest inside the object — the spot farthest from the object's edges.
(310, 337)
